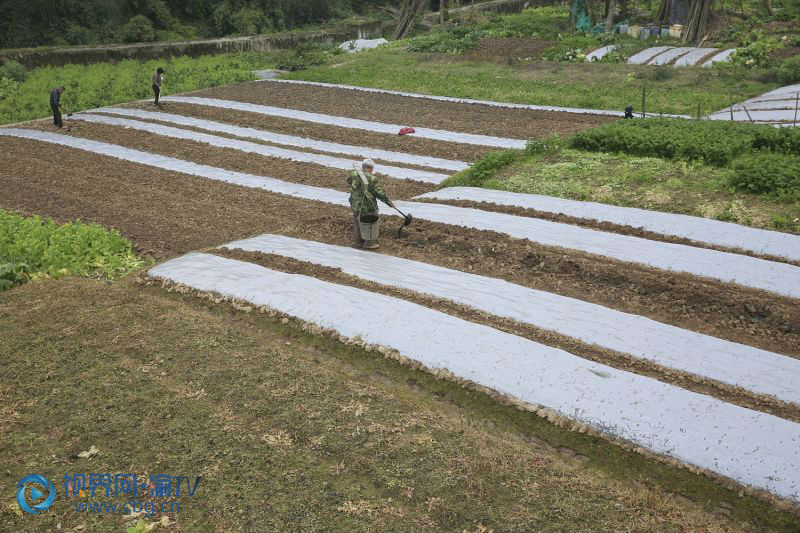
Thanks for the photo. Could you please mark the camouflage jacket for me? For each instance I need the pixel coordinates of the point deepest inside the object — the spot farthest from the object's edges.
(363, 199)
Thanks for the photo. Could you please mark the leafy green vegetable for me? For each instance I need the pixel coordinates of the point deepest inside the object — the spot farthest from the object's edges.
(32, 248)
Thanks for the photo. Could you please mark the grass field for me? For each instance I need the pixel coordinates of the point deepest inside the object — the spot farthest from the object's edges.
(293, 431)
(598, 86)
(646, 182)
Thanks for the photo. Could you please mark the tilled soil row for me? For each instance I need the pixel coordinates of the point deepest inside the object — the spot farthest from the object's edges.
(276, 145)
(230, 159)
(397, 143)
(598, 225)
(414, 112)
(167, 213)
(615, 359)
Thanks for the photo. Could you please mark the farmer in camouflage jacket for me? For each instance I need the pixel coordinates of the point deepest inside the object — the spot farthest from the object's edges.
(365, 191)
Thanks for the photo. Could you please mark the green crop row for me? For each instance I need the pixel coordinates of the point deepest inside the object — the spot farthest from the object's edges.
(33, 248)
(713, 142)
(89, 86)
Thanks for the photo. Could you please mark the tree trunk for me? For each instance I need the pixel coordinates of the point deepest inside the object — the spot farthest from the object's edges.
(768, 5)
(610, 16)
(663, 13)
(407, 16)
(696, 23)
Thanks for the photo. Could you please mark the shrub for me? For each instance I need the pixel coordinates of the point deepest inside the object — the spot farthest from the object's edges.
(32, 248)
(774, 174)
(13, 70)
(455, 41)
(304, 56)
(483, 169)
(714, 142)
(138, 29)
(789, 70)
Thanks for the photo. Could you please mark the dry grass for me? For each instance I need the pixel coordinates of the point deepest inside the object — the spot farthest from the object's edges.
(291, 431)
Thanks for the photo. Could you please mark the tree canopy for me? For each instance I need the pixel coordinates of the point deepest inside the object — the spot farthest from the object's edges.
(65, 22)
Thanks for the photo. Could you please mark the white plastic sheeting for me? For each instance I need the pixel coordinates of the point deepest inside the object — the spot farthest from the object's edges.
(767, 116)
(362, 44)
(451, 99)
(352, 123)
(260, 149)
(756, 370)
(748, 271)
(671, 55)
(692, 58)
(600, 53)
(288, 140)
(695, 228)
(722, 57)
(297, 190)
(647, 55)
(772, 276)
(747, 446)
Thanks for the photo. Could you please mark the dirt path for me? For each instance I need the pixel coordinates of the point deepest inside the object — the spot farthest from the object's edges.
(166, 213)
(472, 118)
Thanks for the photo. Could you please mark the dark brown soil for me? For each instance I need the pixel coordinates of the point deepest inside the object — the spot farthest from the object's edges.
(407, 143)
(549, 338)
(418, 112)
(166, 213)
(519, 48)
(230, 159)
(784, 53)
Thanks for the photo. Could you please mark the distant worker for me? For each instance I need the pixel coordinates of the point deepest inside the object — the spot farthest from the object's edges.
(629, 112)
(364, 193)
(158, 77)
(55, 105)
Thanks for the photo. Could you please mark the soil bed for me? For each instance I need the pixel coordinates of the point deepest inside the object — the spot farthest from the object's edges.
(622, 361)
(418, 112)
(609, 227)
(231, 159)
(407, 143)
(519, 48)
(167, 213)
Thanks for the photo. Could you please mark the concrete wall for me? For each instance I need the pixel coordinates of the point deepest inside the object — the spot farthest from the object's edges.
(143, 51)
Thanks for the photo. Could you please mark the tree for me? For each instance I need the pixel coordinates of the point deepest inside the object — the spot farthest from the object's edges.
(407, 15)
(696, 24)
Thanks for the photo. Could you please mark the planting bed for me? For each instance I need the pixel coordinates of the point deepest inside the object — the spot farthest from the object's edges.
(416, 112)
(196, 185)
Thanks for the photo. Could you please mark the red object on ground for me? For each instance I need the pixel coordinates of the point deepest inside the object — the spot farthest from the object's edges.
(406, 131)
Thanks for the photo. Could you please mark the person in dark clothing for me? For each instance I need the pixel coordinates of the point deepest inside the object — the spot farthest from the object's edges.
(629, 112)
(157, 79)
(55, 105)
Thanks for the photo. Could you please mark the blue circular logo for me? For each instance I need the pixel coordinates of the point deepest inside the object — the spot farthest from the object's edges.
(35, 479)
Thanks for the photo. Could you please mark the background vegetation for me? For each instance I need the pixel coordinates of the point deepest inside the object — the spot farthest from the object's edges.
(28, 23)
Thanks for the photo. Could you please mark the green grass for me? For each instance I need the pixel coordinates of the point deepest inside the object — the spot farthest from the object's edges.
(291, 431)
(652, 183)
(33, 248)
(598, 86)
(106, 83)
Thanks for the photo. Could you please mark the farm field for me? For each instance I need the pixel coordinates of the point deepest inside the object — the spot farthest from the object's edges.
(333, 393)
